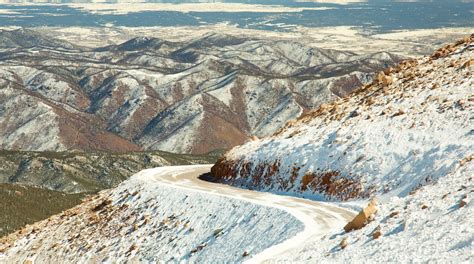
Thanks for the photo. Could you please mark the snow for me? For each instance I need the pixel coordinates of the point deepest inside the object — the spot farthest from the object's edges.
(411, 147)
(422, 144)
(441, 233)
(179, 220)
(410, 144)
(180, 141)
(164, 214)
(20, 132)
(255, 86)
(125, 8)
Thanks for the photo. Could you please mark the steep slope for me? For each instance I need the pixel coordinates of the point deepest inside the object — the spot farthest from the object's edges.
(407, 138)
(408, 128)
(145, 220)
(44, 124)
(210, 93)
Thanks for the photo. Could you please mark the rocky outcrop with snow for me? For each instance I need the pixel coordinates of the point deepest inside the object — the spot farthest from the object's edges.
(433, 224)
(410, 127)
(407, 138)
(213, 92)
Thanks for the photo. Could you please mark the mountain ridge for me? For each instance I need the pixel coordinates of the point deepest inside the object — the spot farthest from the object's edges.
(111, 98)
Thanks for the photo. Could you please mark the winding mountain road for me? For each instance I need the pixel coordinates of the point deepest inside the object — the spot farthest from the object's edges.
(319, 218)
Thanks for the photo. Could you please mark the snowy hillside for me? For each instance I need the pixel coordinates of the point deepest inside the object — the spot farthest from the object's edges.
(404, 142)
(146, 220)
(435, 225)
(406, 139)
(405, 130)
(212, 92)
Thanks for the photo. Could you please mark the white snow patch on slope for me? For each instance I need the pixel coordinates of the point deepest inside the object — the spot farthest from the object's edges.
(441, 233)
(410, 144)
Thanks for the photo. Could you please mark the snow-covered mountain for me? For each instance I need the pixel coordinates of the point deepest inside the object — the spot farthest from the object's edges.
(407, 139)
(210, 93)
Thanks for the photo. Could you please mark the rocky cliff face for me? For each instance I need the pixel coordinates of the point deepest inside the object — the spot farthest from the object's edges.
(408, 128)
(152, 94)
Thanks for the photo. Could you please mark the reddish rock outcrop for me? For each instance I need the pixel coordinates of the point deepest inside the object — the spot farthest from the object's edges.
(258, 176)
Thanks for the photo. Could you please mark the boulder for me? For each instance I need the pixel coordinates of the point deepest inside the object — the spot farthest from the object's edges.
(384, 80)
(464, 201)
(343, 243)
(377, 232)
(253, 138)
(393, 214)
(468, 64)
(363, 217)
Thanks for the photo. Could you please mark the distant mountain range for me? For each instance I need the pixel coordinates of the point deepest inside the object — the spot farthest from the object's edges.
(210, 93)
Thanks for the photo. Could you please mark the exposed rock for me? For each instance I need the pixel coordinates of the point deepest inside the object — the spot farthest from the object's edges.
(464, 201)
(393, 214)
(353, 113)
(469, 63)
(377, 232)
(218, 232)
(363, 217)
(330, 183)
(253, 138)
(466, 160)
(383, 79)
(398, 113)
(343, 243)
